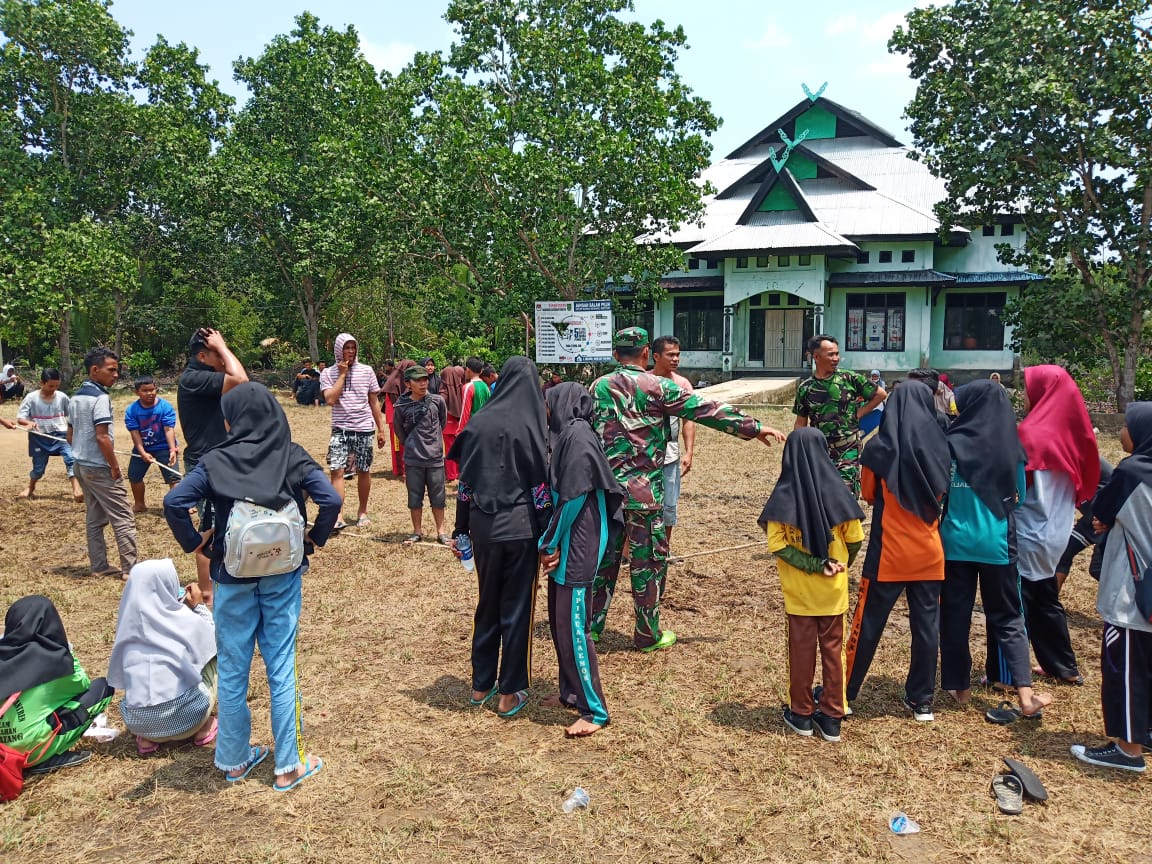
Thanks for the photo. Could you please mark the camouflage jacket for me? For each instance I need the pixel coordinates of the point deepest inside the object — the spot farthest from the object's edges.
(632, 408)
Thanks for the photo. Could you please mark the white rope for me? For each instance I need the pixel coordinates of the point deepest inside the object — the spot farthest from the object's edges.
(680, 559)
(133, 454)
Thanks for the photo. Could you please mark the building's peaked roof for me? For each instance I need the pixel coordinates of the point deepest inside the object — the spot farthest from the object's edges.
(766, 169)
(777, 235)
(785, 179)
(854, 118)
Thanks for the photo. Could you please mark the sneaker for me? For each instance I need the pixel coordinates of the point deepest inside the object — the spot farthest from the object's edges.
(1108, 756)
(921, 713)
(667, 640)
(828, 727)
(818, 691)
(70, 759)
(798, 723)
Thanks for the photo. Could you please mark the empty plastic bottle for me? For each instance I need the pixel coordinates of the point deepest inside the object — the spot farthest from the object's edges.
(900, 823)
(578, 800)
(464, 547)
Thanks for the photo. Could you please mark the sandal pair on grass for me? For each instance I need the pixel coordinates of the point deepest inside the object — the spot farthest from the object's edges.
(1011, 789)
(258, 753)
(521, 702)
(144, 747)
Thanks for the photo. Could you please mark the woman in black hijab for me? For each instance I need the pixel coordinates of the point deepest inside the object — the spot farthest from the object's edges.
(503, 458)
(433, 376)
(257, 463)
(587, 516)
(979, 535)
(46, 700)
(906, 469)
(813, 527)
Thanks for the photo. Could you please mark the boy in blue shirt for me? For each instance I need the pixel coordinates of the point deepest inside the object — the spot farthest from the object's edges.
(151, 422)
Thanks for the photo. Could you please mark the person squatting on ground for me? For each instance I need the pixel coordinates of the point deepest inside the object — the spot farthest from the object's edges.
(257, 463)
(503, 504)
(164, 659)
(632, 407)
(1123, 509)
(44, 413)
(906, 471)
(11, 387)
(351, 390)
(452, 390)
(677, 462)
(151, 421)
(46, 700)
(813, 527)
(393, 388)
(587, 516)
(1063, 468)
(91, 438)
(979, 536)
(212, 371)
(420, 417)
(834, 400)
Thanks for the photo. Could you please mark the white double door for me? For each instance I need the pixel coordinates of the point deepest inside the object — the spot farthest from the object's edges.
(783, 338)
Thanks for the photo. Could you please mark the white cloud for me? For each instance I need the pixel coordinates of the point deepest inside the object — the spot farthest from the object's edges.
(865, 29)
(845, 23)
(773, 36)
(891, 66)
(390, 57)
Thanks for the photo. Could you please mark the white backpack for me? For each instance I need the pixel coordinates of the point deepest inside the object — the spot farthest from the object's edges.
(260, 541)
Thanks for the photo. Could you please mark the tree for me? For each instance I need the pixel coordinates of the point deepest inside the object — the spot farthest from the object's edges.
(1042, 108)
(293, 172)
(552, 136)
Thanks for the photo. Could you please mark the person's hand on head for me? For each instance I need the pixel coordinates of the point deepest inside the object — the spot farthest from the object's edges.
(768, 435)
(213, 341)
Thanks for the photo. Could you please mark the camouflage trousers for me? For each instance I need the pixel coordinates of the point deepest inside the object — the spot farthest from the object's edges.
(845, 452)
(648, 565)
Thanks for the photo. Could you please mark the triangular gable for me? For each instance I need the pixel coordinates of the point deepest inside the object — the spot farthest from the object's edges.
(782, 185)
(852, 119)
(805, 164)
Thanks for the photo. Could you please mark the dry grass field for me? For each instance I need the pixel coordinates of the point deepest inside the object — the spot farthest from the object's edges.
(695, 766)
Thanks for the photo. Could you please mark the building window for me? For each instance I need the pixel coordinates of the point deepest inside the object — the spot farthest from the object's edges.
(693, 263)
(793, 300)
(698, 322)
(989, 231)
(741, 263)
(886, 256)
(773, 299)
(973, 322)
(804, 260)
(1007, 230)
(631, 312)
(763, 261)
(712, 265)
(907, 256)
(783, 261)
(875, 322)
(863, 257)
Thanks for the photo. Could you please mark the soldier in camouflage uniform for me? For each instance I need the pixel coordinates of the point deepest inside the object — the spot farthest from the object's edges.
(632, 408)
(833, 400)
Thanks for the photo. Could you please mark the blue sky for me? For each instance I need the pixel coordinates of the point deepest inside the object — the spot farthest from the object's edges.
(747, 57)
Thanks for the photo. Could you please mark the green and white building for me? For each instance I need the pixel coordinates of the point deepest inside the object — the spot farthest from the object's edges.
(822, 223)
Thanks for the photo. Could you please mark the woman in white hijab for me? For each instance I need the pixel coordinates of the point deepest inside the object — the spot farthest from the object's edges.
(164, 659)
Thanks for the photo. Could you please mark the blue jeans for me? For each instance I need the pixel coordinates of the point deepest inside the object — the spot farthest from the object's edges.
(41, 448)
(671, 493)
(266, 612)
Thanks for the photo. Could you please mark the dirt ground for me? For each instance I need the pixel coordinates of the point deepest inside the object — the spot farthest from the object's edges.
(695, 766)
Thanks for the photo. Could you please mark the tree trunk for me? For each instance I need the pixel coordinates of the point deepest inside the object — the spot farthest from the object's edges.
(64, 344)
(118, 341)
(1126, 383)
(312, 323)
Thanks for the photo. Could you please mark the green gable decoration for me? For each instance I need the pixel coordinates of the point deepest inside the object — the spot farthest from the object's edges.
(812, 97)
(818, 121)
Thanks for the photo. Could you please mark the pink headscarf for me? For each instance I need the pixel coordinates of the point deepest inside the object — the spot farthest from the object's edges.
(1057, 433)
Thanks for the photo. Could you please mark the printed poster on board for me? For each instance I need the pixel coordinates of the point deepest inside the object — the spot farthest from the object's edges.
(573, 331)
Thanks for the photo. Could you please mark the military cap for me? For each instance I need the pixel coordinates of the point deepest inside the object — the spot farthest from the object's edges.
(630, 337)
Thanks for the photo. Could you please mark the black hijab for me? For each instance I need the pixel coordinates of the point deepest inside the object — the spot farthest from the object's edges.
(258, 461)
(578, 464)
(1138, 419)
(34, 649)
(985, 445)
(433, 378)
(503, 451)
(810, 494)
(911, 453)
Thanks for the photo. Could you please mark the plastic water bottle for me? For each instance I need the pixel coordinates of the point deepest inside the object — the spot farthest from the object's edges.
(464, 547)
(578, 800)
(900, 823)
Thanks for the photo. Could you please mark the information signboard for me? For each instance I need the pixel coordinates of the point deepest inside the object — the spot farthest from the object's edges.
(573, 331)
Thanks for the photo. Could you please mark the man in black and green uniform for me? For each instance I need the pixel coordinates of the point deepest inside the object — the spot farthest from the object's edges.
(833, 400)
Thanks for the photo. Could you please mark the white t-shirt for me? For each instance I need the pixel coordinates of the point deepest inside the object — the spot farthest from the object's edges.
(672, 452)
(50, 417)
(1043, 524)
(352, 411)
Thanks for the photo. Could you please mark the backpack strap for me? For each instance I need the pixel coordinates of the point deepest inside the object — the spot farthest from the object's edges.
(9, 702)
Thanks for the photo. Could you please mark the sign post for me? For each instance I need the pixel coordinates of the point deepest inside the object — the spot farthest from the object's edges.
(573, 331)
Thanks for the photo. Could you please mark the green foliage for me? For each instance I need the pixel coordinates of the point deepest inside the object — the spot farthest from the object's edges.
(140, 363)
(1041, 107)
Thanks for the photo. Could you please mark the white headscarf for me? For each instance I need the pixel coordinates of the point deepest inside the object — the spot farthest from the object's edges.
(161, 645)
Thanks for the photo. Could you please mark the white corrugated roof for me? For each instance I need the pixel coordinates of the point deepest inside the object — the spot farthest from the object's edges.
(801, 235)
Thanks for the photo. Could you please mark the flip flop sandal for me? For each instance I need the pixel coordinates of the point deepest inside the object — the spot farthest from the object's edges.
(1005, 714)
(1033, 788)
(209, 736)
(489, 695)
(445, 540)
(340, 525)
(256, 755)
(315, 769)
(412, 540)
(521, 702)
(144, 747)
(363, 522)
(1009, 794)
